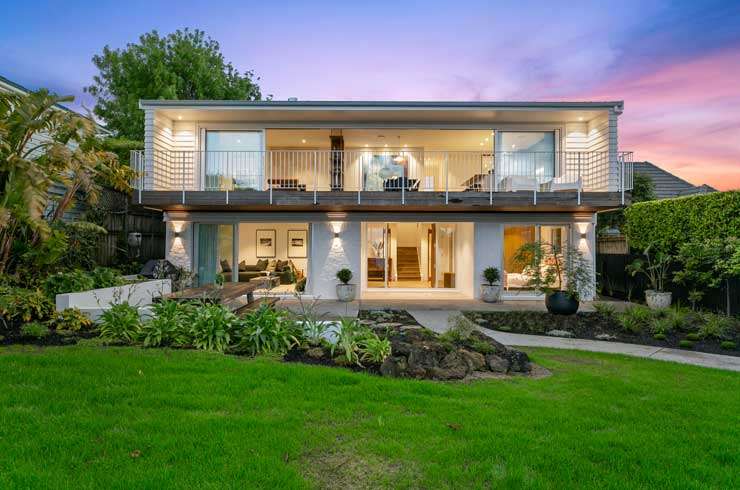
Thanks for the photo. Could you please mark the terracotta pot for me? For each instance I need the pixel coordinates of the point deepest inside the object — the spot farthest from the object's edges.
(490, 293)
(346, 292)
(658, 299)
(560, 303)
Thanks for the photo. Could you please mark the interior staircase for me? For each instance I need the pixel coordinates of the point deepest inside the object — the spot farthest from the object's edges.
(408, 264)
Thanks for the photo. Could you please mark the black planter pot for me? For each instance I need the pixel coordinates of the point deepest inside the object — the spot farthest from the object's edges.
(559, 303)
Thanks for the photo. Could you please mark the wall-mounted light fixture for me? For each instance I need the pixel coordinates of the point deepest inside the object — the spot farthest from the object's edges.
(177, 234)
(584, 235)
(336, 234)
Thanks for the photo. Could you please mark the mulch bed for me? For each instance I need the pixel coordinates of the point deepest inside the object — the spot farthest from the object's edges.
(586, 325)
(14, 337)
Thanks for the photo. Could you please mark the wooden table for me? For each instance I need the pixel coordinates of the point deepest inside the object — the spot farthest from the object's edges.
(231, 295)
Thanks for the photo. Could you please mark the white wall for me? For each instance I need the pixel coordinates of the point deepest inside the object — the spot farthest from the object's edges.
(179, 250)
(464, 258)
(248, 245)
(329, 254)
(489, 243)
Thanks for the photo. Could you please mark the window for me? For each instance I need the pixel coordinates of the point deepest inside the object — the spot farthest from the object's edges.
(233, 160)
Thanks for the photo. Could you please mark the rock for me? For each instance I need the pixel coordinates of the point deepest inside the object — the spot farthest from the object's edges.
(481, 321)
(367, 322)
(406, 328)
(453, 366)
(518, 361)
(474, 360)
(497, 364)
(394, 367)
(315, 352)
(560, 333)
(388, 325)
(605, 336)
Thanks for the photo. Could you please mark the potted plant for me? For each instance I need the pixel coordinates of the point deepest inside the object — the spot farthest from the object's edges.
(655, 267)
(561, 273)
(345, 290)
(219, 280)
(490, 292)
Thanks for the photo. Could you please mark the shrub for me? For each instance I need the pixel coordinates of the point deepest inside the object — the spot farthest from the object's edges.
(68, 282)
(693, 336)
(716, 326)
(728, 345)
(677, 317)
(36, 330)
(120, 323)
(70, 319)
(606, 310)
(344, 275)
(661, 325)
(105, 277)
(659, 336)
(349, 336)
(635, 319)
(670, 222)
(266, 331)
(374, 349)
(313, 325)
(24, 304)
(491, 275)
(210, 327)
(168, 325)
(686, 344)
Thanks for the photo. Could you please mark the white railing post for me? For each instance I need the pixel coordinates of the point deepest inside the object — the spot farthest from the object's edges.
(182, 164)
(490, 185)
(315, 176)
(578, 178)
(621, 166)
(359, 176)
(269, 178)
(447, 179)
(403, 186)
(228, 176)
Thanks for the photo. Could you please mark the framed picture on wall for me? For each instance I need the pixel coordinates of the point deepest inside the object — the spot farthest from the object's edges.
(297, 244)
(265, 244)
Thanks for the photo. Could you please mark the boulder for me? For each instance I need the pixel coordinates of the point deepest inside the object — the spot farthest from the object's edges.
(560, 333)
(315, 353)
(394, 367)
(497, 364)
(474, 360)
(605, 336)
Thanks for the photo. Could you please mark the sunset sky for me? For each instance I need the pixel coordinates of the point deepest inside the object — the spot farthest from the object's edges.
(675, 64)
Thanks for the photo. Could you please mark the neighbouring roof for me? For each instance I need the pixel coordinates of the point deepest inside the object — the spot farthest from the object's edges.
(668, 185)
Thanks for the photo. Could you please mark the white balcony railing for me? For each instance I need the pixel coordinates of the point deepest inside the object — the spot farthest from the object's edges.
(385, 170)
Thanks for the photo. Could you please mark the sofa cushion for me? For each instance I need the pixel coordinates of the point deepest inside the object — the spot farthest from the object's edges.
(271, 266)
(262, 264)
(225, 267)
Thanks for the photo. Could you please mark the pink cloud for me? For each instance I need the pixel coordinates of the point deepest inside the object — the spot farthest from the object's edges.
(685, 117)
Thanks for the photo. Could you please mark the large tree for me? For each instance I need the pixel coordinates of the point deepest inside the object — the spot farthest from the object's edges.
(183, 65)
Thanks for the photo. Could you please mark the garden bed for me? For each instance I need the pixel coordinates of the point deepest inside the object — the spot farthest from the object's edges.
(638, 325)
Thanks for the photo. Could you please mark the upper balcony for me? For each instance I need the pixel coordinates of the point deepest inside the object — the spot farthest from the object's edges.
(381, 156)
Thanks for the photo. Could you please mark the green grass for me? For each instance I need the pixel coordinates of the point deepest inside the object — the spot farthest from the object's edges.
(83, 417)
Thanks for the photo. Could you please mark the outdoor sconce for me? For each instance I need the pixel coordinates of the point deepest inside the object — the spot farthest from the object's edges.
(177, 234)
(584, 235)
(336, 234)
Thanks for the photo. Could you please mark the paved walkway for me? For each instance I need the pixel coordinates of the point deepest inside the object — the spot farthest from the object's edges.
(437, 321)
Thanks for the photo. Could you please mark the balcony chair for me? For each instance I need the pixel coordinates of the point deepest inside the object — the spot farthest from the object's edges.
(397, 183)
(513, 183)
(565, 183)
(286, 185)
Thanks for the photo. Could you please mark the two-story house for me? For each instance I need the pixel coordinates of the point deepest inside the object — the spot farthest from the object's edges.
(416, 198)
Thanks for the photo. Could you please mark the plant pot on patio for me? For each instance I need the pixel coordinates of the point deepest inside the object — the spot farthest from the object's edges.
(345, 290)
(561, 303)
(658, 299)
(490, 292)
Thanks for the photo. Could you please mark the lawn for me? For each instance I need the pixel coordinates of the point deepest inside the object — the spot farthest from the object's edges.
(81, 417)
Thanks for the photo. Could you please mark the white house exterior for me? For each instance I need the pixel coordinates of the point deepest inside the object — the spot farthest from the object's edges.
(416, 198)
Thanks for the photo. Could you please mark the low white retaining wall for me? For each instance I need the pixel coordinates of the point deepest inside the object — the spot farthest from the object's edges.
(95, 301)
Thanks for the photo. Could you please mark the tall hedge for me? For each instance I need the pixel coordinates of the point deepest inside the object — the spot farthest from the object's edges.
(670, 222)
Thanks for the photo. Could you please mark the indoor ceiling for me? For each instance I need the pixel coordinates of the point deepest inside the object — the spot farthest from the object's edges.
(448, 139)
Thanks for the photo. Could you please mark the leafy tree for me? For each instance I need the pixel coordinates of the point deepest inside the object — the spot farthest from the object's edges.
(183, 65)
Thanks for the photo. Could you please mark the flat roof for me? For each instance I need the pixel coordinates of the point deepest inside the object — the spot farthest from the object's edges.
(369, 105)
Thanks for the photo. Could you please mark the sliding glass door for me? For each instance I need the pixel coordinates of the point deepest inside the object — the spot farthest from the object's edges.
(527, 154)
(516, 275)
(215, 252)
(233, 160)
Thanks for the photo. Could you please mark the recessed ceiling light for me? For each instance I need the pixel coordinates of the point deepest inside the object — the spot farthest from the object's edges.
(405, 145)
(179, 117)
(481, 143)
(580, 118)
(303, 141)
(386, 145)
(366, 145)
(486, 140)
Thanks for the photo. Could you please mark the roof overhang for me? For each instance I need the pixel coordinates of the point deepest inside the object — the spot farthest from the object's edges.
(380, 112)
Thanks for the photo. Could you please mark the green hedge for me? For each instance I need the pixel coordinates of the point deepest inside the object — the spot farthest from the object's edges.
(670, 222)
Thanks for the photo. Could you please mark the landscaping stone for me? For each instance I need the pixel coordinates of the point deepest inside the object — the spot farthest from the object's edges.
(315, 353)
(605, 336)
(480, 321)
(497, 364)
(560, 333)
(475, 360)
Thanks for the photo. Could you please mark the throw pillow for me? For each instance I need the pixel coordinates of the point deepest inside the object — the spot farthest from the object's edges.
(225, 267)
